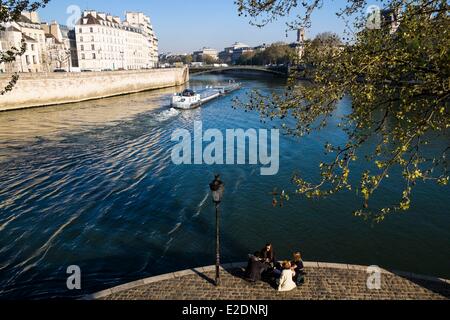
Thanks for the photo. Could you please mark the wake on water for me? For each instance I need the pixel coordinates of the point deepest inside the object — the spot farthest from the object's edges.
(200, 206)
(166, 115)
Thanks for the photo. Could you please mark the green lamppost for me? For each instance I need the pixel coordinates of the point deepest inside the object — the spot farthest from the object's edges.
(217, 189)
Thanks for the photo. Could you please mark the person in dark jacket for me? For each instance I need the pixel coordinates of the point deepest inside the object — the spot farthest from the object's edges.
(268, 255)
(255, 267)
(300, 273)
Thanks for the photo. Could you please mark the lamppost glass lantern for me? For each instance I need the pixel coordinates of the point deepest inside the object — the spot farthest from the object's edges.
(217, 189)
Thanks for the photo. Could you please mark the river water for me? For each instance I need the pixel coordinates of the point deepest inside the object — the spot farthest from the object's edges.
(92, 184)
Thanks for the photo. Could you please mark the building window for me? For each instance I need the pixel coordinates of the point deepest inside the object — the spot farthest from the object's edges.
(91, 29)
(92, 47)
(82, 47)
(92, 39)
(27, 59)
(94, 56)
(34, 60)
(83, 56)
(32, 47)
(81, 39)
(80, 30)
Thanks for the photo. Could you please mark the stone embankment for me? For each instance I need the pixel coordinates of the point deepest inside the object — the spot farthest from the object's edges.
(43, 89)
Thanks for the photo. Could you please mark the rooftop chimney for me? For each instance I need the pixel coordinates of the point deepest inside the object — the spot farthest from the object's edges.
(33, 16)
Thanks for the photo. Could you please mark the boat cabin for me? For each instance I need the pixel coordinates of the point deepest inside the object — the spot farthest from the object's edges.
(188, 93)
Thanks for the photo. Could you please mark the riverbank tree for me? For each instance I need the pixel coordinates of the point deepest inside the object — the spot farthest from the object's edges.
(10, 11)
(276, 53)
(172, 59)
(395, 66)
(207, 59)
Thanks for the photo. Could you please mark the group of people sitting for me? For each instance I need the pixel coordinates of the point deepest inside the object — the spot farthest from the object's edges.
(286, 275)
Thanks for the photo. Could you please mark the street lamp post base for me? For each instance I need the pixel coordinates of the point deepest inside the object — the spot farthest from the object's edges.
(217, 276)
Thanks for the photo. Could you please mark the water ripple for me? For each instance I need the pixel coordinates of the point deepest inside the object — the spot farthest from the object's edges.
(93, 184)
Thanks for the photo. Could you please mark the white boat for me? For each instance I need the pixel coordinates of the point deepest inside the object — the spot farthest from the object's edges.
(189, 99)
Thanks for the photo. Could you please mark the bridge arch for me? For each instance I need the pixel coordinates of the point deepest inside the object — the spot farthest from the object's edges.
(274, 71)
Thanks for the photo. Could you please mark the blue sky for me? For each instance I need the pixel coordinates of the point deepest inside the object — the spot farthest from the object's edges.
(187, 25)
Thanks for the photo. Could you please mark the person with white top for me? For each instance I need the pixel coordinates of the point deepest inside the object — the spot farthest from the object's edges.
(286, 282)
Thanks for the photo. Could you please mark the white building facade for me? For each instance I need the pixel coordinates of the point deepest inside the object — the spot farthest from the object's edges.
(47, 46)
(141, 21)
(105, 42)
(28, 28)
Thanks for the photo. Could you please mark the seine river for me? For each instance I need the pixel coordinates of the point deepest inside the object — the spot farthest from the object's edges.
(92, 184)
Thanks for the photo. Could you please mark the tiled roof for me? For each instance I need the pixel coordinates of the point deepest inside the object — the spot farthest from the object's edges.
(90, 20)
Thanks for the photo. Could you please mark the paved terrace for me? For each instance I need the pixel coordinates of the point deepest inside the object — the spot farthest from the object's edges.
(323, 281)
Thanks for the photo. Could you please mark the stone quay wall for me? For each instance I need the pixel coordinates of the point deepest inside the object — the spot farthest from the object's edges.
(44, 89)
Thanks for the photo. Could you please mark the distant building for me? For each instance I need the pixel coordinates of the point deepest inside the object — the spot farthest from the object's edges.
(199, 55)
(390, 19)
(299, 45)
(105, 42)
(233, 53)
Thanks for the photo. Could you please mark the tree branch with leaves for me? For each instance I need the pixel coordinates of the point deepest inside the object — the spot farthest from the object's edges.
(399, 86)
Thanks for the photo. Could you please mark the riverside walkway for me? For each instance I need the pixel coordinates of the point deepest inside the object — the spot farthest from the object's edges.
(323, 281)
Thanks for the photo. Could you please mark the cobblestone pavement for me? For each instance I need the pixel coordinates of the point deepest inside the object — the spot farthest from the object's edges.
(328, 281)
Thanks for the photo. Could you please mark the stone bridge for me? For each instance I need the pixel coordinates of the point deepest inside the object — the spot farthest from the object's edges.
(277, 71)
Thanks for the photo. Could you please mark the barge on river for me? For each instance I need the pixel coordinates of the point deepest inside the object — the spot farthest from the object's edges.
(190, 99)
